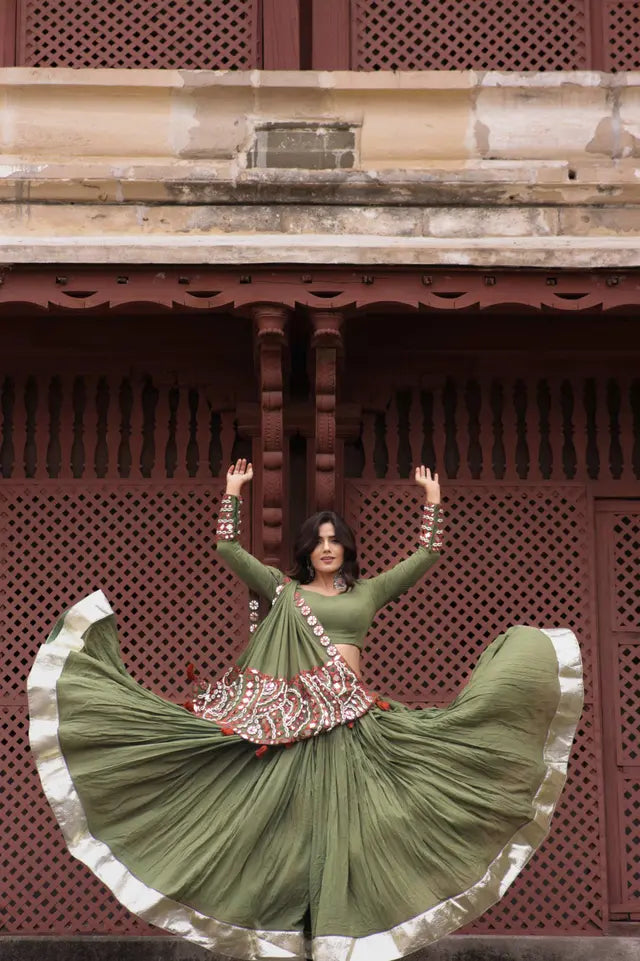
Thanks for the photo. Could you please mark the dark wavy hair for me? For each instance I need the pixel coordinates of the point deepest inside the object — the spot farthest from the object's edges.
(307, 540)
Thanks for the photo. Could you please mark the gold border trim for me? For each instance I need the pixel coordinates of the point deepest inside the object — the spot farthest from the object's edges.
(137, 897)
(452, 914)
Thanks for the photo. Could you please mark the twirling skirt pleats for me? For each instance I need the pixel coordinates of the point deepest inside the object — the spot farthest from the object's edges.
(377, 838)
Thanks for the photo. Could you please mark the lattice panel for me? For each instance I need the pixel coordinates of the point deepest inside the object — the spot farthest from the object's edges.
(629, 694)
(514, 555)
(626, 558)
(631, 831)
(470, 35)
(151, 549)
(562, 886)
(622, 32)
(42, 888)
(199, 34)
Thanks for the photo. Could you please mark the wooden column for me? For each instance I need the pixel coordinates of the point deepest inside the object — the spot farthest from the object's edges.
(280, 35)
(331, 35)
(270, 326)
(326, 342)
(8, 27)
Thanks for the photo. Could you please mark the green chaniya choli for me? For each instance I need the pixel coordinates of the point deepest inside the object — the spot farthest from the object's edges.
(287, 811)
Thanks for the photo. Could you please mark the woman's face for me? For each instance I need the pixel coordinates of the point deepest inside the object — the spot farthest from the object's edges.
(328, 555)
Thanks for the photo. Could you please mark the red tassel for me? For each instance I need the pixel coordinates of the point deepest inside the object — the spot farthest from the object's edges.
(350, 724)
(227, 730)
(262, 750)
(189, 705)
(383, 705)
(191, 672)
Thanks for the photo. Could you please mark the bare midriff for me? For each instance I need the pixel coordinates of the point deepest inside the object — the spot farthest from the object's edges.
(351, 654)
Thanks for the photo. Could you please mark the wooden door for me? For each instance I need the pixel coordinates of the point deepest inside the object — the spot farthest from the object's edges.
(618, 566)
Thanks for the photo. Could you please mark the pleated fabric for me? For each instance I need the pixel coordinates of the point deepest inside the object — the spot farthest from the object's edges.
(361, 844)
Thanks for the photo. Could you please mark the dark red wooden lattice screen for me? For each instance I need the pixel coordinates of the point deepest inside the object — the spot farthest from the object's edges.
(478, 35)
(514, 554)
(203, 34)
(621, 34)
(342, 34)
(470, 34)
(618, 529)
(150, 547)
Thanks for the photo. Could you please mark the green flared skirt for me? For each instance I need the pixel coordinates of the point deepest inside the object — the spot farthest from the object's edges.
(361, 844)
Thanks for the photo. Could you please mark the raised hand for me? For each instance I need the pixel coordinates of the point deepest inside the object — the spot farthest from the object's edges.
(237, 475)
(431, 484)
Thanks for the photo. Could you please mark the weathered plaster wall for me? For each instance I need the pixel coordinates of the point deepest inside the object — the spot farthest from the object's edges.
(231, 167)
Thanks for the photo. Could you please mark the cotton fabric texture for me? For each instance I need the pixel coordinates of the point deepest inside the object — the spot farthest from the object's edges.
(363, 842)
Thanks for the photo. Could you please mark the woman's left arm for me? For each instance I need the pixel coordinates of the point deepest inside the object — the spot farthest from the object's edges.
(389, 585)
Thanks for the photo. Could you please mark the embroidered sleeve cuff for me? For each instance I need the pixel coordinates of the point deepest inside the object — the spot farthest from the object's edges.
(229, 522)
(431, 528)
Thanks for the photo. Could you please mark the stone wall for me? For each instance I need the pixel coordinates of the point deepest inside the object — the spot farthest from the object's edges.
(151, 166)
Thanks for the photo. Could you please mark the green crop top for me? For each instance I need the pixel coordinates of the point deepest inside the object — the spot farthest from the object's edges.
(346, 617)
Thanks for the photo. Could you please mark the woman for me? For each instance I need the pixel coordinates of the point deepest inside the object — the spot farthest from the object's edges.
(290, 812)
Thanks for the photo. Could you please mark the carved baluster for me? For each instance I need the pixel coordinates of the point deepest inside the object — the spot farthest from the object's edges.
(439, 433)
(20, 428)
(603, 430)
(393, 438)
(416, 432)
(227, 440)
(555, 427)
(485, 427)
(136, 427)
(101, 453)
(580, 428)
(203, 435)
(90, 424)
(625, 426)
(326, 341)
(183, 427)
(369, 443)
(465, 430)
(112, 426)
(66, 426)
(270, 323)
(41, 427)
(161, 431)
(534, 428)
(509, 428)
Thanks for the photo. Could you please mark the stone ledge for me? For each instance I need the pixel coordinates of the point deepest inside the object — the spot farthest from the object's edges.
(568, 252)
(453, 223)
(497, 183)
(460, 948)
(315, 79)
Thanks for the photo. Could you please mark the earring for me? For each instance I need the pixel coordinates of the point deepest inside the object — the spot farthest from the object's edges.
(339, 583)
(311, 571)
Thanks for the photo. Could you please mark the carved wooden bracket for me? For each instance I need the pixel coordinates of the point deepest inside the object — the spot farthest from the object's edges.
(346, 289)
(326, 341)
(270, 329)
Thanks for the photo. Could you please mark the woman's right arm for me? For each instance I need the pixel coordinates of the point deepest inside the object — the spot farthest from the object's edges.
(258, 577)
